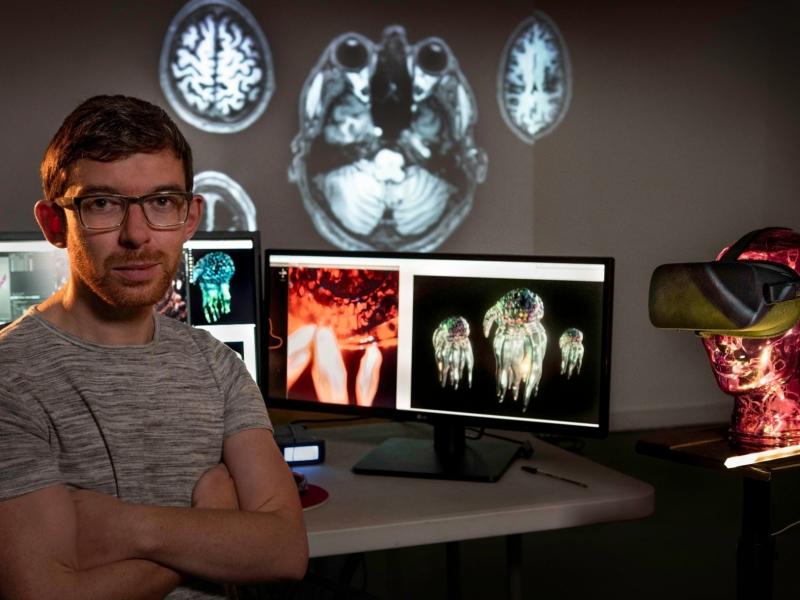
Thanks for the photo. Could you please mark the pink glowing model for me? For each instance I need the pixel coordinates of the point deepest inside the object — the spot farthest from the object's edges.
(762, 374)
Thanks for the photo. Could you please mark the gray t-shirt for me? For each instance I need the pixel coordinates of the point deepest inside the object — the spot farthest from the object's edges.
(141, 423)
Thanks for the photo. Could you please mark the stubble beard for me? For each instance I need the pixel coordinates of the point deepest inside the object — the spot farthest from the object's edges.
(122, 294)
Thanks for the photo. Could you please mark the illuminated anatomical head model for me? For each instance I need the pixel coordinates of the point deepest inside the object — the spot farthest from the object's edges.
(763, 374)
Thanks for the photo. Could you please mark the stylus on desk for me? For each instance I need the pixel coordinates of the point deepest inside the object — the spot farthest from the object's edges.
(536, 471)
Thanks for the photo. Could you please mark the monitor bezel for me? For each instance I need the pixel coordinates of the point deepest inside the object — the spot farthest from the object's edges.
(22, 236)
(482, 421)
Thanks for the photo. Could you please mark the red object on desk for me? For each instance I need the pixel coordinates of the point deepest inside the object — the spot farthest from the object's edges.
(310, 495)
(313, 496)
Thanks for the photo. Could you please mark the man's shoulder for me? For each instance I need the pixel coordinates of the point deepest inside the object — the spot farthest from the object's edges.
(24, 349)
(18, 334)
(20, 325)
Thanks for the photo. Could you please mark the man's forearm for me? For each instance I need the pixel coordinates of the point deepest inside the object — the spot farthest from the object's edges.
(264, 540)
(39, 557)
(220, 545)
(123, 580)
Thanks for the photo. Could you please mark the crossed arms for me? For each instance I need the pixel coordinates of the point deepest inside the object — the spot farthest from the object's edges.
(58, 543)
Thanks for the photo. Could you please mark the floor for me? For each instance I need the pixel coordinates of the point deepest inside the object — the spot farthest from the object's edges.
(687, 549)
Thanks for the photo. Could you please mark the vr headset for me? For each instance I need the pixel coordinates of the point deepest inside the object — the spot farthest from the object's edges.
(755, 299)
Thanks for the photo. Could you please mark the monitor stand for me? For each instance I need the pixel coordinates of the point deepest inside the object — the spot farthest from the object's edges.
(448, 456)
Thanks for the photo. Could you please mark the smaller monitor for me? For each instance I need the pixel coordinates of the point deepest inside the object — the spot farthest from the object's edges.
(31, 269)
(217, 286)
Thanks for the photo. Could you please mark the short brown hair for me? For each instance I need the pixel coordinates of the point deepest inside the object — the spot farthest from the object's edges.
(109, 128)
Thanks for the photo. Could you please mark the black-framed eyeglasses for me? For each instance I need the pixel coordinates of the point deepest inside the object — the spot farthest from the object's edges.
(104, 212)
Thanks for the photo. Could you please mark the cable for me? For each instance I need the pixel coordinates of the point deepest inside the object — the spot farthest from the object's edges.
(575, 445)
(787, 528)
(527, 448)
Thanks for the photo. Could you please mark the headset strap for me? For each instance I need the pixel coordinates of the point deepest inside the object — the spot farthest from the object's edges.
(739, 246)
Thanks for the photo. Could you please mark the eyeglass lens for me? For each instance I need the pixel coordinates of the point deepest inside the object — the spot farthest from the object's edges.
(160, 210)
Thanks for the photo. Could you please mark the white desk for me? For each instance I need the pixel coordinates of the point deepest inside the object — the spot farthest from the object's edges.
(367, 512)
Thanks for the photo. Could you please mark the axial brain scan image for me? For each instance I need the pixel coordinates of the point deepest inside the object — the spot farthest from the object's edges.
(216, 67)
(385, 157)
(533, 82)
(227, 206)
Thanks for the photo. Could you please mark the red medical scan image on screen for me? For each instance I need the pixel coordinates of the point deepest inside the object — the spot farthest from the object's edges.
(342, 335)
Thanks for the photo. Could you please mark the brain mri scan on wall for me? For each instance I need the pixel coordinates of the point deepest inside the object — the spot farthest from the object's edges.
(385, 157)
(533, 81)
(228, 207)
(216, 67)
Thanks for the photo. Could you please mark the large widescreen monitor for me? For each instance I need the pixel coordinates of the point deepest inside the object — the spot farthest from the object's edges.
(492, 341)
(217, 286)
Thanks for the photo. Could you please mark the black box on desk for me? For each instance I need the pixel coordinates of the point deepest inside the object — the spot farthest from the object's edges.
(298, 446)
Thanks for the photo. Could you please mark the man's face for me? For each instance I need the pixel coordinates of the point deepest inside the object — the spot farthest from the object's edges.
(744, 365)
(130, 267)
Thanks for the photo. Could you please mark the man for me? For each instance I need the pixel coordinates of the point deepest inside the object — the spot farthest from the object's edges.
(128, 440)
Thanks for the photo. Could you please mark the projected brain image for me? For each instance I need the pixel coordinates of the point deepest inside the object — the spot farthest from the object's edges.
(216, 67)
(213, 273)
(342, 327)
(571, 345)
(519, 343)
(385, 156)
(533, 82)
(453, 351)
(227, 206)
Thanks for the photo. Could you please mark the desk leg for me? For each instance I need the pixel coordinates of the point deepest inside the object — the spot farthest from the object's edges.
(453, 558)
(514, 565)
(756, 549)
(352, 562)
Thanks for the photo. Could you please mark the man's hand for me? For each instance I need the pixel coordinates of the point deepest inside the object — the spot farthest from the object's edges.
(264, 540)
(215, 489)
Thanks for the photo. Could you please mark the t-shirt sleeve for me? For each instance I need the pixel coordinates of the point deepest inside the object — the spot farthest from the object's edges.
(244, 404)
(27, 462)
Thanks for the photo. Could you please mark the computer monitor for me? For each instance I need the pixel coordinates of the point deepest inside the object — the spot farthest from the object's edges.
(31, 269)
(217, 286)
(490, 341)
